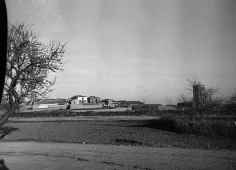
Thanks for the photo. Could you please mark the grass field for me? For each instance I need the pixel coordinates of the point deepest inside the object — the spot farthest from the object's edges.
(172, 129)
(118, 132)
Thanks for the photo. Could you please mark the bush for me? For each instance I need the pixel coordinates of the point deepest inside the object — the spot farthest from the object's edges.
(204, 126)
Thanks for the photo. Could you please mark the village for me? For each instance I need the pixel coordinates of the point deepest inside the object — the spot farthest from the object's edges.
(80, 103)
(202, 98)
(117, 85)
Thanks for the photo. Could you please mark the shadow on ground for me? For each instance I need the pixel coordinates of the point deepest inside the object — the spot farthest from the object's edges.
(168, 125)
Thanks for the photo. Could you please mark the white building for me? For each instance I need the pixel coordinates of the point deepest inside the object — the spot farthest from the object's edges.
(50, 104)
(79, 99)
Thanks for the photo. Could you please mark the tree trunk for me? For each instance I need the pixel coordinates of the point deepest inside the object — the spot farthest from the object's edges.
(7, 111)
(4, 118)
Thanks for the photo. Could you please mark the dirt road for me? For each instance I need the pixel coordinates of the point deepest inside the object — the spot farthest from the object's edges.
(58, 156)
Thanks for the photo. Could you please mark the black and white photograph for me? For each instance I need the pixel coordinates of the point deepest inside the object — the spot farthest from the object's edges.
(118, 85)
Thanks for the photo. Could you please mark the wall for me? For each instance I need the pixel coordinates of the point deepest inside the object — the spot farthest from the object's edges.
(86, 106)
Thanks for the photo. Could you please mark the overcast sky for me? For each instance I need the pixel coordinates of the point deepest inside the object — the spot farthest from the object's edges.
(136, 49)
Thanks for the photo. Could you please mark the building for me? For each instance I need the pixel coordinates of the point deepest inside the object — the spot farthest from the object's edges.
(200, 96)
(80, 102)
(49, 104)
(98, 99)
(79, 99)
(108, 103)
(93, 100)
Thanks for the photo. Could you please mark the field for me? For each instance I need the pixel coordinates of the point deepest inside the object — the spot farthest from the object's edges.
(116, 131)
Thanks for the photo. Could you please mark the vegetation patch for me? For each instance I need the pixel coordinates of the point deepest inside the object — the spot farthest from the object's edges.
(82, 159)
(112, 163)
(128, 142)
(195, 125)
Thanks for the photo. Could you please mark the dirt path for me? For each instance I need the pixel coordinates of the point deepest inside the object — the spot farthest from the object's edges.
(58, 156)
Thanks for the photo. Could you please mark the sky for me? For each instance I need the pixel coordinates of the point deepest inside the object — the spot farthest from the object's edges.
(136, 49)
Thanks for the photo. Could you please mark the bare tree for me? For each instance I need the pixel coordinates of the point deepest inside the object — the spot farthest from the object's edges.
(28, 63)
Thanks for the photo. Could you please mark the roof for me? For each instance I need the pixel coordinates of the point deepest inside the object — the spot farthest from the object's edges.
(76, 96)
(94, 97)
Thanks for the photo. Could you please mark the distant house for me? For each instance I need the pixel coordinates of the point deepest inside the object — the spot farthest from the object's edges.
(79, 99)
(93, 100)
(108, 103)
(80, 102)
(50, 103)
(201, 96)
